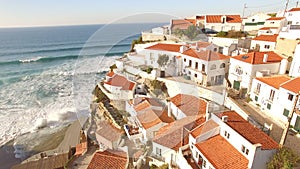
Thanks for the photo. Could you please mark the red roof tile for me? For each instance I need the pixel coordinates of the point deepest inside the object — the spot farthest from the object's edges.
(108, 131)
(294, 9)
(109, 159)
(268, 38)
(275, 18)
(207, 126)
(206, 55)
(175, 134)
(190, 105)
(274, 81)
(165, 47)
(151, 117)
(248, 131)
(193, 21)
(222, 154)
(292, 85)
(180, 24)
(201, 44)
(120, 81)
(257, 57)
(229, 18)
(144, 103)
(268, 28)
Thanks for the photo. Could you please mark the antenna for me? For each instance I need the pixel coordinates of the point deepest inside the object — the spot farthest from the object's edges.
(286, 6)
(245, 6)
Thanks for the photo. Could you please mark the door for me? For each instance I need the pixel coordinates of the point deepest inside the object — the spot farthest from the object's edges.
(297, 124)
(236, 85)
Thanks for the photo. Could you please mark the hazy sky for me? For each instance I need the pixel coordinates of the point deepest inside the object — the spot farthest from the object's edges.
(14, 13)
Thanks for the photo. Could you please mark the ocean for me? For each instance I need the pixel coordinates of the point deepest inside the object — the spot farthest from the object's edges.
(49, 73)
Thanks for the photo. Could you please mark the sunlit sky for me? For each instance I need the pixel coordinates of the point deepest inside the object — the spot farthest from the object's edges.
(20, 13)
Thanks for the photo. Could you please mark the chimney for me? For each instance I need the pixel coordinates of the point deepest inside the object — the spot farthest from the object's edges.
(224, 119)
(265, 59)
(183, 48)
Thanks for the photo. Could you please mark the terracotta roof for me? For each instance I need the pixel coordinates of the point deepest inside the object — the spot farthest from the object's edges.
(268, 38)
(222, 154)
(109, 159)
(144, 103)
(109, 132)
(180, 24)
(110, 74)
(229, 18)
(190, 105)
(193, 21)
(268, 28)
(294, 9)
(200, 17)
(206, 55)
(248, 131)
(207, 126)
(165, 47)
(151, 117)
(120, 81)
(292, 85)
(275, 18)
(274, 81)
(257, 57)
(201, 44)
(81, 148)
(175, 134)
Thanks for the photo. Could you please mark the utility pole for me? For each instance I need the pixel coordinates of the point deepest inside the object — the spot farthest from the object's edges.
(245, 6)
(286, 6)
(297, 3)
(287, 126)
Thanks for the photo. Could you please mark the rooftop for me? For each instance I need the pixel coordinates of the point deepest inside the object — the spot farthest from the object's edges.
(248, 131)
(109, 132)
(222, 154)
(151, 117)
(165, 47)
(294, 9)
(206, 55)
(268, 28)
(292, 85)
(274, 81)
(109, 159)
(268, 38)
(190, 105)
(205, 127)
(119, 81)
(257, 57)
(275, 18)
(181, 23)
(142, 103)
(229, 18)
(175, 134)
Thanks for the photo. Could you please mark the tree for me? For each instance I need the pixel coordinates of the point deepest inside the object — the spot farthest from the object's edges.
(162, 60)
(178, 32)
(191, 32)
(285, 158)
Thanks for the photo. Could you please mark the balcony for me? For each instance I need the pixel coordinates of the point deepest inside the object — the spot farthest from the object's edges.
(133, 132)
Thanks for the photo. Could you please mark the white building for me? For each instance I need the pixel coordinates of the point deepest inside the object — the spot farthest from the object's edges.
(218, 23)
(255, 22)
(293, 16)
(278, 22)
(169, 140)
(117, 87)
(229, 141)
(226, 45)
(295, 66)
(205, 67)
(276, 95)
(182, 105)
(108, 137)
(245, 67)
(264, 43)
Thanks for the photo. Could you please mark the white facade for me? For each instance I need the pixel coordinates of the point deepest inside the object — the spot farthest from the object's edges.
(243, 73)
(226, 45)
(166, 154)
(264, 46)
(279, 23)
(255, 22)
(293, 17)
(295, 66)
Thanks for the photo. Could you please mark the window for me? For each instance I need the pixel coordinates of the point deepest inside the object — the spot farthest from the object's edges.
(184, 59)
(267, 46)
(272, 93)
(286, 112)
(228, 135)
(245, 150)
(213, 67)
(239, 70)
(289, 22)
(290, 97)
(158, 151)
(204, 163)
(196, 65)
(233, 28)
(256, 98)
(222, 65)
(258, 88)
(290, 14)
(272, 22)
(225, 133)
(269, 106)
(196, 75)
(190, 63)
(203, 67)
(253, 20)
